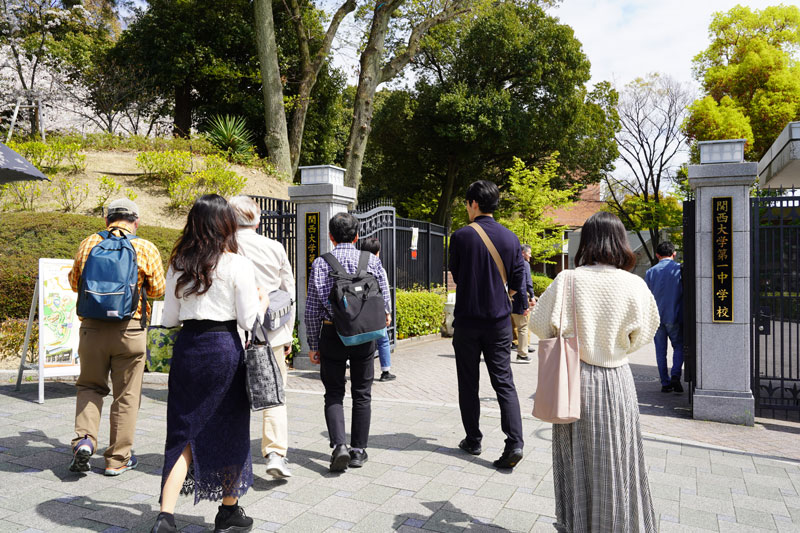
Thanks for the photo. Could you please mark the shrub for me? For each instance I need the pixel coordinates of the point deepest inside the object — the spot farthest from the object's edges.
(33, 151)
(108, 187)
(25, 237)
(12, 337)
(69, 193)
(139, 143)
(540, 283)
(418, 313)
(48, 157)
(231, 136)
(130, 194)
(23, 194)
(226, 183)
(168, 166)
(184, 191)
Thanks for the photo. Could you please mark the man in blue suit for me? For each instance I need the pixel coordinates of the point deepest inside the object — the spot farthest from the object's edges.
(664, 280)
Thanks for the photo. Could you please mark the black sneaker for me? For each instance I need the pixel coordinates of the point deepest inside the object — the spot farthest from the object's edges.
(666, 388)
(472, 449)
(340, 458)
(509, 459)
(676, 384)
(81, 453)
(232, 520)
(523, 358)
(357, 458)
(165, 523)
(386, 376)
(531, 349)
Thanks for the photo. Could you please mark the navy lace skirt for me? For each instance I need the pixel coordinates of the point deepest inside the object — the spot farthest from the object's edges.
(208, 409)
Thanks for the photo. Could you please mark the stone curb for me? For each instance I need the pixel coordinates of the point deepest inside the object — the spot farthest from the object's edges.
(416, 340)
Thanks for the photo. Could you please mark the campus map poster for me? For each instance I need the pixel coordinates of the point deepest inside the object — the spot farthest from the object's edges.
(58, 324)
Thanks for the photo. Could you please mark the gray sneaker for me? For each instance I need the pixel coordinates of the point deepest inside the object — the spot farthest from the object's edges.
(277, 466)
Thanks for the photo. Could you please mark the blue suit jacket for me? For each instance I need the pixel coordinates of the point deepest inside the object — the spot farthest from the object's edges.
(664, 280)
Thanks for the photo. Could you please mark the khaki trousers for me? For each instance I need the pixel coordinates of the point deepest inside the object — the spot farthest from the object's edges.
(275, 434)
(117, 348)
(520, 323)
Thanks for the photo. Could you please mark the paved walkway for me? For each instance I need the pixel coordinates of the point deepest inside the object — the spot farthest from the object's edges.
(414, 481)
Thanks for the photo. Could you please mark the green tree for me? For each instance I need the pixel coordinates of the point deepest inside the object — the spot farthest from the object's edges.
(527, 201)
(750, 75)
(509, 83)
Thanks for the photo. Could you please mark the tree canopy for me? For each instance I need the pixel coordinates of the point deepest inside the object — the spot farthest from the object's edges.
(507, 83)
(751, 77)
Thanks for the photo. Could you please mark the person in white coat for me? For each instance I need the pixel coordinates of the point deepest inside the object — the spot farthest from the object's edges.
(273, 272)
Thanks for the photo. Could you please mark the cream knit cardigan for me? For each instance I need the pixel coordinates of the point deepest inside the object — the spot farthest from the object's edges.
(617, 313)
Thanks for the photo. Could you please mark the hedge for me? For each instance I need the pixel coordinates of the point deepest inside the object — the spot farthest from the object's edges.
(540, 283)
(25, 237)
(419, 313)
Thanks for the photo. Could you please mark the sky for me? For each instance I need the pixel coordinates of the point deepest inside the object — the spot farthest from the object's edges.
(626, 39)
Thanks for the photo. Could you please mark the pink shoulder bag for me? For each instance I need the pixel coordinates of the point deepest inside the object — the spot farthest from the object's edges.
(558, 389)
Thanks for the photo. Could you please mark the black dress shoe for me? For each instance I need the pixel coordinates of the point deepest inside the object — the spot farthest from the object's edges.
(232, 520)
(473, 449)
(165, 523)
(666, 388)
(357, 458)
(340, 458)
(676, 384)
(509, 459)
(531, 349)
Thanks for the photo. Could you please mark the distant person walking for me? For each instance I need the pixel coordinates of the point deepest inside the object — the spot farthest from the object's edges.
(482, 322)
(599, 472)
(210, 290)
(110, 343)
(664, 280)
(273, 272)
(520, 312)
(327, 349)
(373, 246)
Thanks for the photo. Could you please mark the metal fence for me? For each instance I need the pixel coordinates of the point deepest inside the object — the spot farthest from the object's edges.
(279, 222)
(424, 267)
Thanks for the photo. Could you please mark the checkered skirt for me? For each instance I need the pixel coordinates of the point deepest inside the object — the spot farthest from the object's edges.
(599, 473)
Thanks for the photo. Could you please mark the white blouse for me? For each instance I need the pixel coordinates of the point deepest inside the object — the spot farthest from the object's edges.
(232, 295)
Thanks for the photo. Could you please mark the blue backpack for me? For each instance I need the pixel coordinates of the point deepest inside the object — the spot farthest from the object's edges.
(109, 281)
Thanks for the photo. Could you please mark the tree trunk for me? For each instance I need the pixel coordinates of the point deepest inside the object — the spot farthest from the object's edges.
(299, 120)
(369, 77)
(277, 136)
(182, 117)
(442, 215)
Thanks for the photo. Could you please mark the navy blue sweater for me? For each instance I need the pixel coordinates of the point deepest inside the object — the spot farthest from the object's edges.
(481, 300)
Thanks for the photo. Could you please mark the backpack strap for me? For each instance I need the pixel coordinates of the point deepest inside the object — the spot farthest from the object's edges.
(363, 263)
(335, 265)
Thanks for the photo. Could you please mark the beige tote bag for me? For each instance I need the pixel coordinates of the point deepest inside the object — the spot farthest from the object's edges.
(558, 389)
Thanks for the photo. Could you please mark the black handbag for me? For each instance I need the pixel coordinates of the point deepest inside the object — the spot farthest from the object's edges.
(264, 379)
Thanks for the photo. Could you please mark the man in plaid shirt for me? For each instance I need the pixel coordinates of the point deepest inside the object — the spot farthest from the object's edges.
(115, 347)
(327, 350)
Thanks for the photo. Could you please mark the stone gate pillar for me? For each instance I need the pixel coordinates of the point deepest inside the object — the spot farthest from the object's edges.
(320, 195)
(722, 184)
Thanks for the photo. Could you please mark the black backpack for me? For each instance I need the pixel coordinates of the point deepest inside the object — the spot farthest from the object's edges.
(359, 314)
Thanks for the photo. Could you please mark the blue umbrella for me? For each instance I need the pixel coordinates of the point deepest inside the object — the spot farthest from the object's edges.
(14, 167)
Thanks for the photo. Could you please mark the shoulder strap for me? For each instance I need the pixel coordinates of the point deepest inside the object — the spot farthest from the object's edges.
(336, 266)
(492, 251)
(363, 263)
(104, 234)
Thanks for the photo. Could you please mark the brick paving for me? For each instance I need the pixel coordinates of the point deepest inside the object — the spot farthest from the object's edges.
(415, 479)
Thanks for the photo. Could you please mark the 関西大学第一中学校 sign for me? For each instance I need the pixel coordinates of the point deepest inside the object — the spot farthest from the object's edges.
(722, 259)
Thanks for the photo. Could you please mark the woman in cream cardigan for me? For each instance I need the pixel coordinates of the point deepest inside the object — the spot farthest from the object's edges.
(599, 473)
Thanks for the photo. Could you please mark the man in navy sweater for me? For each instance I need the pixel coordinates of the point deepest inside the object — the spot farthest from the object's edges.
(482, 320)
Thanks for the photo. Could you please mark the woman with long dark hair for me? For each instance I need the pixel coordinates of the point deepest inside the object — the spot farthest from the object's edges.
(599, 473)
(210, 290)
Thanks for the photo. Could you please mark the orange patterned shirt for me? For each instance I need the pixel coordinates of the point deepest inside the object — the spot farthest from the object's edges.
(148, 259)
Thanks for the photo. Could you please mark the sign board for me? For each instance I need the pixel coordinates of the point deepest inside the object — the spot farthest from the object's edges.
(722, 259)
(312, 241)
(58, 324)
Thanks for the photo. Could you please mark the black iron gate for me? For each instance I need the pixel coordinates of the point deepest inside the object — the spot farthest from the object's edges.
(775, 304)
(379, 222)
(689, 302)
(279, 222)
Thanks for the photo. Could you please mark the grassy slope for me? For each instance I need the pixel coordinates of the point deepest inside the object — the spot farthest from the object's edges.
(25, 237)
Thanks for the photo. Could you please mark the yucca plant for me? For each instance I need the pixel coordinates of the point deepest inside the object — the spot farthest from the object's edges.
(231, 136)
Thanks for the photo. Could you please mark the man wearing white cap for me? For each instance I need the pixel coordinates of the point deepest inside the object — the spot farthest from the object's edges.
(113, 333)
